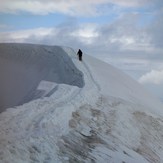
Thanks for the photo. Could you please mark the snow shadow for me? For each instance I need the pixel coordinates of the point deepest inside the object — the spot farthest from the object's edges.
(24, 66)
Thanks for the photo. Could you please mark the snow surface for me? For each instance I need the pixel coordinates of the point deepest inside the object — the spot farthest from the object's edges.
(64, 110)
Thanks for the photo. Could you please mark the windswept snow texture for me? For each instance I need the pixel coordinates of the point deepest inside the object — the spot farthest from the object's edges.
(29, 72)
(88, 111)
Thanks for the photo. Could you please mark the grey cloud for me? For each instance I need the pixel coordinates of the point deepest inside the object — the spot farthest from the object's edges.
(155, 30)
(70, 7)
(155, 77)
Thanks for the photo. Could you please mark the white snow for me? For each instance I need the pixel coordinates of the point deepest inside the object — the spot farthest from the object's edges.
(64, 110)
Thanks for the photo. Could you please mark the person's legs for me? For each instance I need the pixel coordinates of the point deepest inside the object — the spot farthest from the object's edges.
(80, 58)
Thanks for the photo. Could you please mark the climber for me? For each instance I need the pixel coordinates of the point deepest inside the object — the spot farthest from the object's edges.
(80, 54)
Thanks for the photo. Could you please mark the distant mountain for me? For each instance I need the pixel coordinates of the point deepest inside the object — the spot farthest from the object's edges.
(55, 108)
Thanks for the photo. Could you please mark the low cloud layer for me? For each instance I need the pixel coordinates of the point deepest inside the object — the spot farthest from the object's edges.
(153, 77)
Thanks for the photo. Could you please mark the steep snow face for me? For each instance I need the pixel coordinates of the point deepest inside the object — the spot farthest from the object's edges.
(32, 71)
(101, 115)
(117, 84)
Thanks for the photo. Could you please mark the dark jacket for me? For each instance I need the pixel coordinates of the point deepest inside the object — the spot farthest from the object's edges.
(80, 54)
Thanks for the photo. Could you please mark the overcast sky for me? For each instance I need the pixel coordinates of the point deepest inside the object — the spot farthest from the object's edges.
(126, 33)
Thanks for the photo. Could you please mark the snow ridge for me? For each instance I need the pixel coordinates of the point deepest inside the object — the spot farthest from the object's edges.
(87, 112)
(31, 72)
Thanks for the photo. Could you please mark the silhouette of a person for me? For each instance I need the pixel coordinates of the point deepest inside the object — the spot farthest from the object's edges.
(80, 54)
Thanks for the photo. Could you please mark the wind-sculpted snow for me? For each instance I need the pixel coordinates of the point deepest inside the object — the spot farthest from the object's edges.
(88, 112)
(27, 71)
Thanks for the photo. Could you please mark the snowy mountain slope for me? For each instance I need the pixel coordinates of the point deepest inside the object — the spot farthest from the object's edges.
(75, 111)
(22, 69)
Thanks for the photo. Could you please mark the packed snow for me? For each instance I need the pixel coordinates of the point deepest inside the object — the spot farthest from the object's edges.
(57, 109)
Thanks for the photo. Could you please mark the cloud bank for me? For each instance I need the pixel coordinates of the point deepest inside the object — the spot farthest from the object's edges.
(153, 77)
